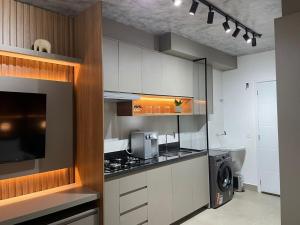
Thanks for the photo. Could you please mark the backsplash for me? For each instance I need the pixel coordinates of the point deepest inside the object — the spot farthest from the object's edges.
(118, 128)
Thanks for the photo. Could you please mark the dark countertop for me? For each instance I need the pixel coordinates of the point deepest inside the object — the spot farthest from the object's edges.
(157, 162)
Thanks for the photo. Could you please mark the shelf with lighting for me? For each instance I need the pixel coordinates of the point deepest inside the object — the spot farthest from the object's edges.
(38, 56)
(152, 105)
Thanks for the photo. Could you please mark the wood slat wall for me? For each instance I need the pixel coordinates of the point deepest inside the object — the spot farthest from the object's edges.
(22, 24)
(88, 82)
(15, 67)
(14, 187)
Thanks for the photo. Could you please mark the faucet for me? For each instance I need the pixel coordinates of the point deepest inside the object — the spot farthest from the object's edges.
(173, 135)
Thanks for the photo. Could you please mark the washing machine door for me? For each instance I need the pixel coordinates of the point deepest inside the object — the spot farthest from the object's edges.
(224, 176)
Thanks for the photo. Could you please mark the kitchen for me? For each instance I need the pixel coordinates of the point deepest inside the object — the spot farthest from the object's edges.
(143, 81)
(161, 112)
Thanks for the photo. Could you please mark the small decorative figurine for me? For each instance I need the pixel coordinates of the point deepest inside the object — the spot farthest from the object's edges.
(42, 45)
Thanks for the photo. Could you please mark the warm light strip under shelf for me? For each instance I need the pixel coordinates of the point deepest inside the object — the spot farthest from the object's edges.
(38, 56)
(19, 186)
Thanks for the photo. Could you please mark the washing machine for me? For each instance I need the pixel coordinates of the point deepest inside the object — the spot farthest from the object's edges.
(221, 178)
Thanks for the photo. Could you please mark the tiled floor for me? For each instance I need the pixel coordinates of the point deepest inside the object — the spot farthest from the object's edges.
(248, 208)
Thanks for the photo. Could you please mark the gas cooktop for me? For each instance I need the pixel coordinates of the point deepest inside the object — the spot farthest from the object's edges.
(120, 163)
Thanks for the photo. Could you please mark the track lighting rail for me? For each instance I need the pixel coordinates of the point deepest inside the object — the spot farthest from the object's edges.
(230, 18)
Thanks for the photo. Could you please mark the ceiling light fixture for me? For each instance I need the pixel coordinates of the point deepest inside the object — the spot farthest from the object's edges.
(246, 37)
(253, 41)
(238, 24)
(226, 26)
(194, 8)
(210, 16)
(237, 31)
(177, 2)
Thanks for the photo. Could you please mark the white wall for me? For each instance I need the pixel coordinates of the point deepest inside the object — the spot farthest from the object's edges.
(240, 120)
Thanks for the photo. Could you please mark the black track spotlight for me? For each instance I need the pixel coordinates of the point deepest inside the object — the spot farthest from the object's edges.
(194, 8)
(247, 38)
(236, 32)
(253, 40)
(210, 17)
(226, 26)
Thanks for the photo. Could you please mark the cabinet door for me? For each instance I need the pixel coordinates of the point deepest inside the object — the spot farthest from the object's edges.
(90, 220)
(130, 63)
(200, 177)
(182, 182)
(111, 203)
(210, 94)
(90, 217)
(110, 65)
(200, 107)
(159, 196)
(177, 76)
(152, 72)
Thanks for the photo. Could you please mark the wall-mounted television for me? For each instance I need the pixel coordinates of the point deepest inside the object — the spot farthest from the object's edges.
(22, 126)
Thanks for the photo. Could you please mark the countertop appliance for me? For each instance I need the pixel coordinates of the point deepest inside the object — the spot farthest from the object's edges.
(221, 178)
(144, 145)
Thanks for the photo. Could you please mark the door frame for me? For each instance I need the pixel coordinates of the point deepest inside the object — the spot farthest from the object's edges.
(257, 131)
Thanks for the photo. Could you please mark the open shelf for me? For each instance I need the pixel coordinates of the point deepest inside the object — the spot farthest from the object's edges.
(38, 56)
(152, 105)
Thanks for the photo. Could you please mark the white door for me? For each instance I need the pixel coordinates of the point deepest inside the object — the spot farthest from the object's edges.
(267, 144)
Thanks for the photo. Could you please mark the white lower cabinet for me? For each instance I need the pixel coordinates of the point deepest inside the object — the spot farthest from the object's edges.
(126, 200)
(182, 180)
(158, 196)
(112, 203)
(200, 182)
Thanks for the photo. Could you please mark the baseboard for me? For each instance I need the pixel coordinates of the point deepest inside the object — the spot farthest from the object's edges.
(251, 187)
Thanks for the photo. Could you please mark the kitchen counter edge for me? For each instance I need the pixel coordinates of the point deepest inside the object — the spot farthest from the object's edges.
(117, 175)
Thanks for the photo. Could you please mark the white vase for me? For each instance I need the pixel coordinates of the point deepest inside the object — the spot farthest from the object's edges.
(178, 109)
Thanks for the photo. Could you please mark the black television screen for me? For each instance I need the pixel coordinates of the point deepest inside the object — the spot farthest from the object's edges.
(22, 126)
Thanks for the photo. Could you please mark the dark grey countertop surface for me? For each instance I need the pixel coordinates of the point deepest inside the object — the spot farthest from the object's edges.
(157, 162)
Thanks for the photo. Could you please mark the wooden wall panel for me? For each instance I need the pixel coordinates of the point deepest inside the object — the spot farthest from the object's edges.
(21, 25)
(14, 187)
(89, 101)
(15, 67)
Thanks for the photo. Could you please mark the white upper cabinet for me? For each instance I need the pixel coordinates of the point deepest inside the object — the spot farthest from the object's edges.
(152, 72)
(110, 64)
(199, 89)
(177, 76)
(130, 68)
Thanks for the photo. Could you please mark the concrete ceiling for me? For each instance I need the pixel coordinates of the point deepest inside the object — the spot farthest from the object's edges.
(161, 16)
(66, 7)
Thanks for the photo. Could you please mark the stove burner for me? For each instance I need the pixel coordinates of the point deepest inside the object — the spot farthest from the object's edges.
(121, 163)
(118, 160)
(115, 166)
